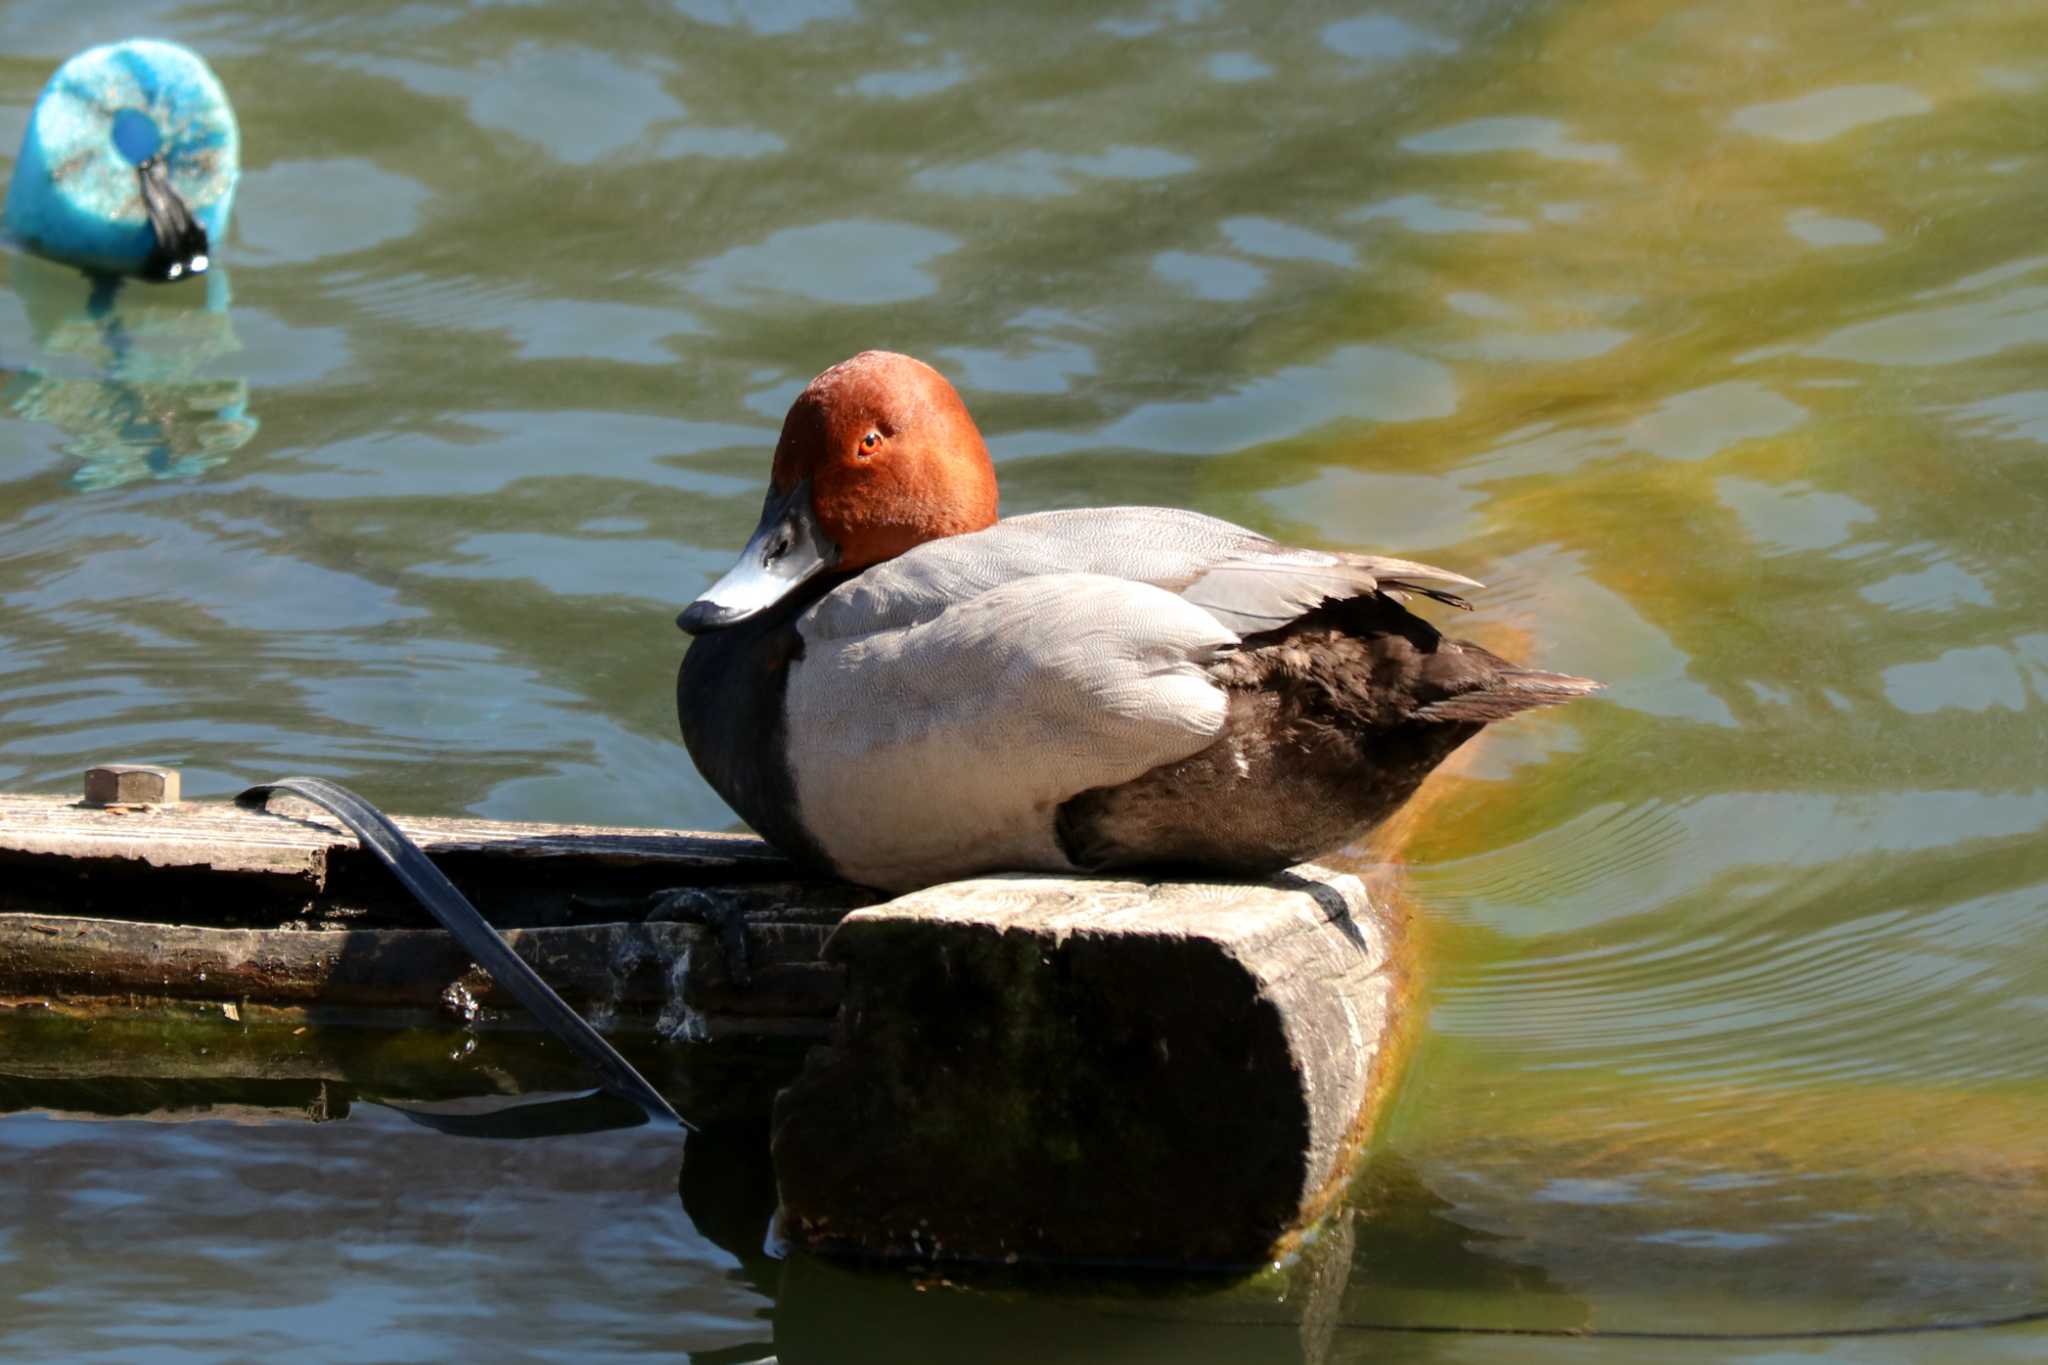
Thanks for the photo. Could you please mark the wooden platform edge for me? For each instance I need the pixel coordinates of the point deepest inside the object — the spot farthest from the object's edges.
(1016, 1067)
(1131, 1072)
(661, 977)
(128, 910)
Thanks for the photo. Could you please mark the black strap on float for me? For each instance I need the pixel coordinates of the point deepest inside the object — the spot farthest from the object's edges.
(181, 246)
(432, 889)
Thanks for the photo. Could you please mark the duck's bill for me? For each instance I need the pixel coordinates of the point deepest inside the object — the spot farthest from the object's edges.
(786, 549)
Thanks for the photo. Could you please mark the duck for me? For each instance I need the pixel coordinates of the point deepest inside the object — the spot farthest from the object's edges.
(897, 687)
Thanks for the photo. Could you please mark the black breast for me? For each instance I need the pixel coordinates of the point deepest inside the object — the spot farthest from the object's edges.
(729, 697)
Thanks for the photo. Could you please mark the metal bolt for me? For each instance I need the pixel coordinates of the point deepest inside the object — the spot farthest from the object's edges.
(131, 784)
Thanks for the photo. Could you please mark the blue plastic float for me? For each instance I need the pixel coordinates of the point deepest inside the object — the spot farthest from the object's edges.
(129, 163)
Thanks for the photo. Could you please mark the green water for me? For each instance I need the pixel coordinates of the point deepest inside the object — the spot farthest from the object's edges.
(1711, 336)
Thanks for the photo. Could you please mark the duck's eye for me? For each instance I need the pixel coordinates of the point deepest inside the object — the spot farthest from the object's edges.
(870, 442)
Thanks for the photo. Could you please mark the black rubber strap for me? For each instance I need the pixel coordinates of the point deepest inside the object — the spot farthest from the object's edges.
(181, 247)
(483, 943)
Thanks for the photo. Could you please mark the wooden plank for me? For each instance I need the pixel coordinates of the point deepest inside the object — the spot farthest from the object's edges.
(281, 909)
(292, 835)
(1018, 1067)
(213, 863)
(1153, 1072)
(660, 976)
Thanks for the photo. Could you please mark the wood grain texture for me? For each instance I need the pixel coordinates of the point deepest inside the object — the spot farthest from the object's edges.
(1173, 1073)
(282, 909)
(294, 835)
(625, 977)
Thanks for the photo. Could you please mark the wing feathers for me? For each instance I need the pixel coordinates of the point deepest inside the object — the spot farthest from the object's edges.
(1247, 582)
(1258, 592)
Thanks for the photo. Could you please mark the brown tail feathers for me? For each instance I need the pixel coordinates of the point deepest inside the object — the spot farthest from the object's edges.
(1507, 691)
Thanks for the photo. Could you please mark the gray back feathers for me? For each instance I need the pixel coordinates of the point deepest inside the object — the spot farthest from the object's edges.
(947, 702)
(1247, 582)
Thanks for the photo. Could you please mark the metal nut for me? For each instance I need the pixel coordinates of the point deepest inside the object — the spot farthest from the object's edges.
(131, 784)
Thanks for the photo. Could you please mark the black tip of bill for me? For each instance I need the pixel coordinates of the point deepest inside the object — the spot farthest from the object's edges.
(181, 246)
(787, 549)
(703, 615)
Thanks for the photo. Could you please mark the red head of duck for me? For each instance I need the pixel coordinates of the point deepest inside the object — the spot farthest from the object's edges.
(877, 454)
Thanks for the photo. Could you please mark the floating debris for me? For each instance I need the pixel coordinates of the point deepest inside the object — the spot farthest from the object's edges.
(129, 163)
(457, 1001)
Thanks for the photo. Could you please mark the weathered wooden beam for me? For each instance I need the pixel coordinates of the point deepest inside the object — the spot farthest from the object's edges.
(281, 909)
(212, 862)
(1028, 1068)
(653, 975)
(1033, 1068)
